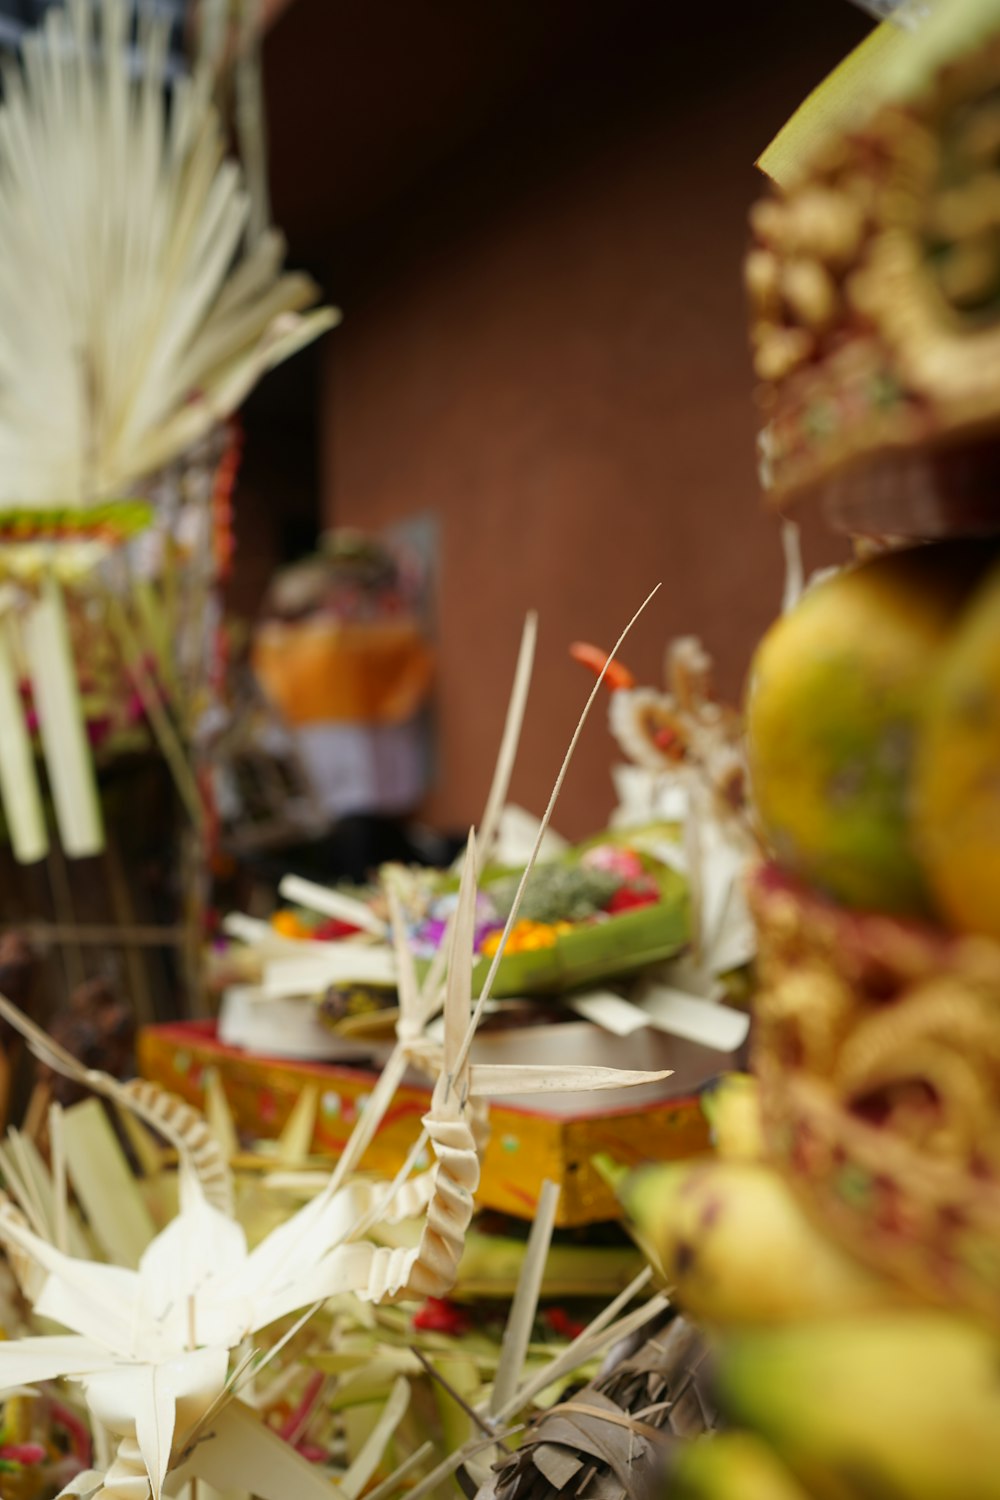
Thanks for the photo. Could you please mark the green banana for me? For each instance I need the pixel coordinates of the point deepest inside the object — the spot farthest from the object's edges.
(731, 1466)
(732, 1107)
(902, 1405)
(731, 1240)
(491, 1264)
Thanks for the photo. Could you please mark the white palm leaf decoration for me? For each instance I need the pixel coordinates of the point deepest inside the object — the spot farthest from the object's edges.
(153, 1346)
(133, 313)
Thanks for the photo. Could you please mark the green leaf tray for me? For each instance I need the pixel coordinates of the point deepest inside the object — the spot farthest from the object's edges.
(597, 951)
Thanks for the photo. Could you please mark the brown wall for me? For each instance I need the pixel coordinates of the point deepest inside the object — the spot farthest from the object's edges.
(562, 379)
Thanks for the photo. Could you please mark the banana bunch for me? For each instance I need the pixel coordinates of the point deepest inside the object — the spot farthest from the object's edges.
(731, 1466)
(728, 1237)
(732, 1243)
(732, 1108)
(836, 1384)
(899, 1404)
(903, 1405)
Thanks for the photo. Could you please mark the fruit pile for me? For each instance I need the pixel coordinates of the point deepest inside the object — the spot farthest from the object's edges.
(832, 1382)
(874, 735)
(874, 743)
(843, 1247)
(606, 880)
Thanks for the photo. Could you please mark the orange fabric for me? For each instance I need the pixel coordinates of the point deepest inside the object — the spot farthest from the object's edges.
(323, 671)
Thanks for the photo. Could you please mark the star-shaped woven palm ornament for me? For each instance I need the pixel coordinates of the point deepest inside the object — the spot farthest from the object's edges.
(155, 1347)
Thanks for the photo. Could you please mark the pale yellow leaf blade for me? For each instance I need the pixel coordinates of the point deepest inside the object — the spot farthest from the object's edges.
(458, 991)
(844, 99)
(511, 738)
(68, 760)
(331, 903)
(521, 1318)
(295, 1140)
(354, 1481)
(19, 790)
(491, 1080)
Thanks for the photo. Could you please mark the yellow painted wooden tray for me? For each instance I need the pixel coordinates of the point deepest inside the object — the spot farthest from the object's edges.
(556, 1139)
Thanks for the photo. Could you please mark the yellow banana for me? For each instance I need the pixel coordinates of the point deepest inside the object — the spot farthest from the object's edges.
(732, 1108)
(903, 1404)
(732, 1241)
(731, 1466)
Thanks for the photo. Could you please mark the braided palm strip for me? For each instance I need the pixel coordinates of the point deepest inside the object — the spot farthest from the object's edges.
(185, 1128)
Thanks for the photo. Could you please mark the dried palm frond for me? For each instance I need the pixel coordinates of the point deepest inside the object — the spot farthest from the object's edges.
(134, 312)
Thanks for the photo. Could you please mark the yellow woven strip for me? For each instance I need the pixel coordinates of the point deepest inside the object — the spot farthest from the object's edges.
(844, 99)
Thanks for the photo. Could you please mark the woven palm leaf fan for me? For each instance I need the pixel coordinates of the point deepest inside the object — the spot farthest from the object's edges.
(136, 313)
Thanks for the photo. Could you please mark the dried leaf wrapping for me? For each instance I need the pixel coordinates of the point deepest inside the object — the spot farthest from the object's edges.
(605, 1442)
